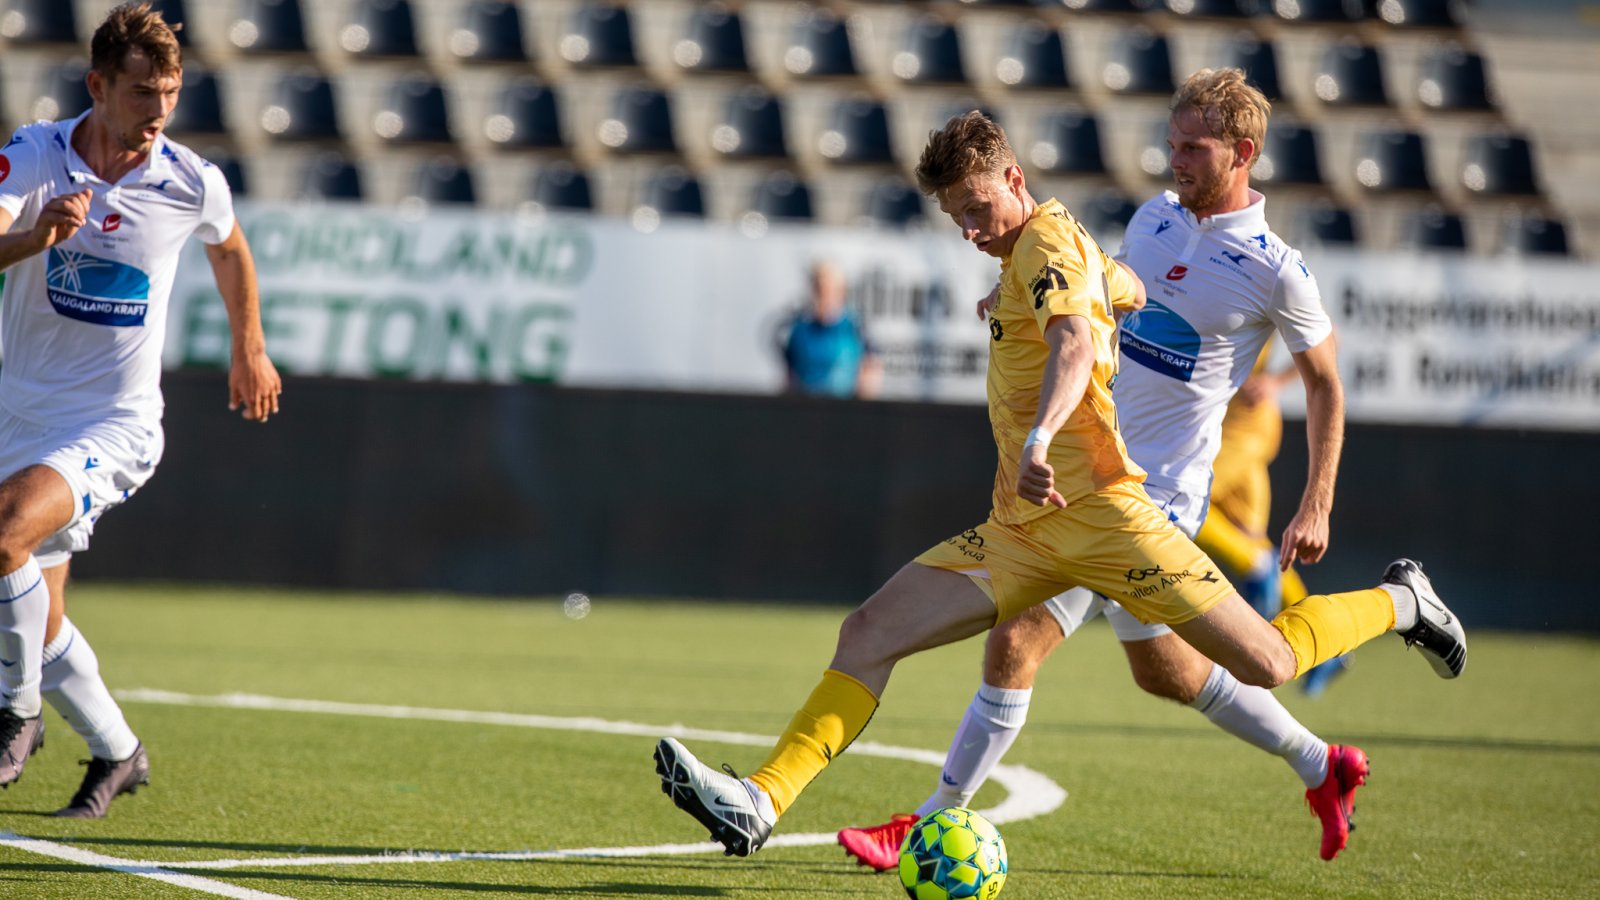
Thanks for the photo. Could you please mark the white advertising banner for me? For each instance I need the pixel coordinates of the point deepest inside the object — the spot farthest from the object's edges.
(354, 291)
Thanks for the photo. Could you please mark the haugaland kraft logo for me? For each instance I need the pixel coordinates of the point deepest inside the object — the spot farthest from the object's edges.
(112, 222)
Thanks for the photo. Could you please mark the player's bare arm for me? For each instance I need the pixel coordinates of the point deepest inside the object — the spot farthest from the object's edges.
(253, 381)
(60, 219)
(1066, 377)
(1306, 538)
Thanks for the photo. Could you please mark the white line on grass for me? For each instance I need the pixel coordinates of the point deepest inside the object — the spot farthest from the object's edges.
(154, 871)
(1028, 793)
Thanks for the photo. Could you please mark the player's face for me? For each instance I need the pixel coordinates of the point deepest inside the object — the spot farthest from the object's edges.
(989, 208)
(1204, 166)
(136, 103)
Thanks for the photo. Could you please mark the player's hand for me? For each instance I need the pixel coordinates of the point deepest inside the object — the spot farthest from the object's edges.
(1305, 540)
(988, 303)
(1036, 479)
(254, 386)
(61, 218)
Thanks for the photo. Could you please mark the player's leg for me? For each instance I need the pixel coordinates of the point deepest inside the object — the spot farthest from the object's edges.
(35, 502)
(74, 688)
(919, 608)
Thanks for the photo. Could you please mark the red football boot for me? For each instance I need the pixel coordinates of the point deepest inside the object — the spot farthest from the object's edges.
(1334, 801)
(879, 845)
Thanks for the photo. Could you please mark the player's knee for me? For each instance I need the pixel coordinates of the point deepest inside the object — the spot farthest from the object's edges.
(1265, 671)
(864, 637)
(1162, 682)
(1016, 649)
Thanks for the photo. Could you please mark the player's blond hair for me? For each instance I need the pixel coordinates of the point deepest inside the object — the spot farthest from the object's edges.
(1231, 107)
(135, 27)
(968, 144)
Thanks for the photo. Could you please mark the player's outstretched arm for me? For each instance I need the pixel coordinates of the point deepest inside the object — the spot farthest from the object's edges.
(253, 382)
(60, 219)
(1306, 538)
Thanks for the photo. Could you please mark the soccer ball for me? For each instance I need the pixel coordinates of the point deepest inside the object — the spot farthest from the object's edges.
(953, 853)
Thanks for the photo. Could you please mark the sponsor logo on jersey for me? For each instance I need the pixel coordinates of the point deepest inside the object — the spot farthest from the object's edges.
(95, 290)
(1237, 258)
(1165, 224)
(111, 222)
(1160, 340)
(5, 165)
(1176, 273)
(1260, 239)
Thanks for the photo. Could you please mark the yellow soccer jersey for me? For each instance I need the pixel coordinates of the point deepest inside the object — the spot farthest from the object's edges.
(1055, 269)
(1252, 433)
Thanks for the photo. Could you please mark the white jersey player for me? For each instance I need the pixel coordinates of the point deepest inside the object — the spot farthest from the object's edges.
(93, 214)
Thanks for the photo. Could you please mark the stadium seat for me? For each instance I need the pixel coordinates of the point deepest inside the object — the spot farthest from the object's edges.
(1393, 160)
(1532, 233)
(39, 22)
(599, 35)
(713, 41)
(1212, 9)
(1106, 215)
(930, 53)
(331, 176)
(379, 28)
(895, 202)
(820, 47)
(1108, 6)
(489, 31)
(1499, 164)
(781, 195)
(528, 117)
(63, 93)
(1259, 62)
(1454, 79)
(672, 191)
(1069, 142)
(1351, 74)
(1289, 156)
(561, 186)
(304, 109)
(443, 179)
(199, 109)
(230, 166)
(1416, 13)
(1155, 156)
(414, 111)
(174, 13)
(1318, 11)
(269, 26)
(751, 126)
(1034, 58)
(1434, 228)
(858, 134)
(640, 122)
(1139, 63)
(1326, 225)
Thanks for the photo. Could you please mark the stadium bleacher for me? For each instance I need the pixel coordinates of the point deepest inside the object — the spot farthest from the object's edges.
(1392, 126)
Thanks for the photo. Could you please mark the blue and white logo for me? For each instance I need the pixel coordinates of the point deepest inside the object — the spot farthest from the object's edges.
(1238, 258)
(1165, 224)
(95, 290)
(1159, 339)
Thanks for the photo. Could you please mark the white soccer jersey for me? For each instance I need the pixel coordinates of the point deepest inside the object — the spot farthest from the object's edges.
(84, 321)
(1216, 290)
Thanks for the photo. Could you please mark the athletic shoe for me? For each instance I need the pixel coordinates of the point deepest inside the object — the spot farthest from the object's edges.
(879, 845)
(738, 814)
(19, 739)
(1316, 681)
(104, 782)
(1438, 633)
(1334, 801)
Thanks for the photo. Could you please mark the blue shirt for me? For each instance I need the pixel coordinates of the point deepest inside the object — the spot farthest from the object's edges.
(825, 359)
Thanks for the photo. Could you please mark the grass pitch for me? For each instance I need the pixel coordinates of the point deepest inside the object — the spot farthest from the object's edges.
(1482, 787)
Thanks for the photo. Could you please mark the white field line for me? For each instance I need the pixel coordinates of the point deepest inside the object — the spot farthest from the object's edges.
(153, 871)
(1029, 793)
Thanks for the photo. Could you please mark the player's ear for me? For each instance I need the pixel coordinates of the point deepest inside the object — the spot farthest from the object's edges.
(1014, 179)
(96, 83)
(1244, 152)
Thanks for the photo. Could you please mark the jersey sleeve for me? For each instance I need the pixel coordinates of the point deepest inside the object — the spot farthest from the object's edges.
(1058, 280)
(19, 171)
(1297, 308)
(1120, 287)
(216, 209)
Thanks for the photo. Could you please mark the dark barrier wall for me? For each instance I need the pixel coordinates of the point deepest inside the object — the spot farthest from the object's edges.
(535, 490)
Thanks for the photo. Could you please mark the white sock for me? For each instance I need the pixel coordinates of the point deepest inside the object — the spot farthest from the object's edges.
(74, 688)
(1256, 717)
(1405, 606)
(24, 612)
(987, 731)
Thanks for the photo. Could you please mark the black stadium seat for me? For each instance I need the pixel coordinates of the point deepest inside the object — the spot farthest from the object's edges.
(640, 122)
(1499, 164)
(39, 22)
(1326, 225)
(444, 180)
(414, 111)
(1318, 11)
(528, 117)
(713, 41)
(199, 109)
(1213, 9)
(1110, 6)
(269, 26)
(1454, 79)
(63, 93)
(673, 191)
(1139, 63)
(174, 13)
(930, 53)
(1393, 160)
(859, 133)
(751, 126)
(1155, 155)
(1035, 58)
(820, 47)
(781, 195)
(560, 186)
(1434, 228)
(303, 110)
(379, 28)
(1106, 214)
(1532, 233)
(1289, 156)
(1351, 74)
(489, 31)
(895, 202)
(600, 35)
(1259, 62)
(231, 168)
(1416, 13)
(331, 176)
(1069, 141)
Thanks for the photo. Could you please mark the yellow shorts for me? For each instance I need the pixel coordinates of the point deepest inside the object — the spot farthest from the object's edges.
(1115, 542)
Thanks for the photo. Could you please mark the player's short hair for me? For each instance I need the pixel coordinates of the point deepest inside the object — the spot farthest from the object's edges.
(967, 144)
(135, 27)
(1232, 108)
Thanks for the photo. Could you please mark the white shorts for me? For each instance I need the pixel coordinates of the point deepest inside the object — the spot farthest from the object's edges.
(103, 462)
(1077, 606)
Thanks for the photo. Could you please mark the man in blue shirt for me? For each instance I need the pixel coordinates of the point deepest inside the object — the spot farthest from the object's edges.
(826, 352)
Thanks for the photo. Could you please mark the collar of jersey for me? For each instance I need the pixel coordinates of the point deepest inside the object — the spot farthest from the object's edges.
(1250, 217)
(155, 165)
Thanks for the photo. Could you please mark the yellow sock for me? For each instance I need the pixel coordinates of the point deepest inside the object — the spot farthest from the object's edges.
(1323, 626)
(1227, 545)
(1292, 589)
(837, 710)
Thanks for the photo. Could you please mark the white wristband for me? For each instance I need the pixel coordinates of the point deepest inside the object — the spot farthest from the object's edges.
(1037, 436)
